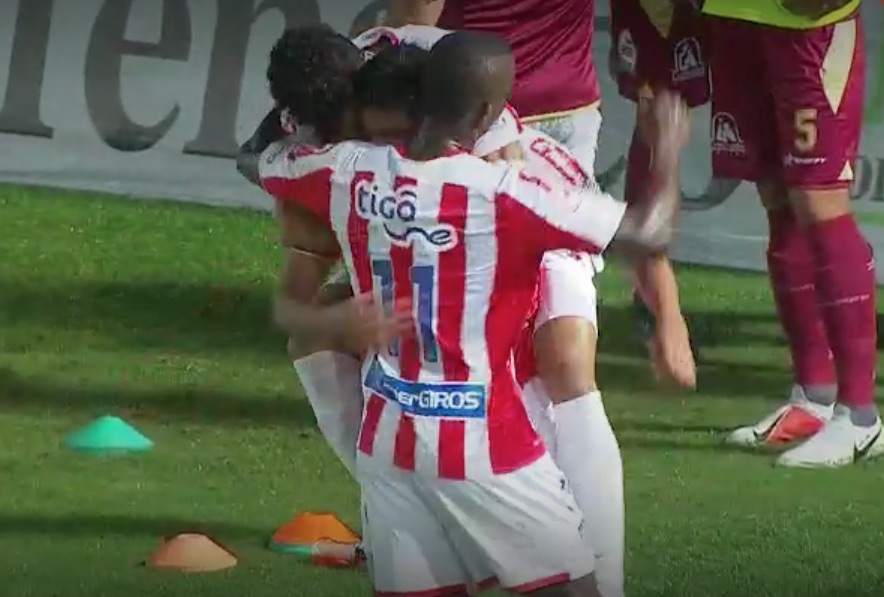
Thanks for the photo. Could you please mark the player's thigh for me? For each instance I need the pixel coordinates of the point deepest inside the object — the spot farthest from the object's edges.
(817, 79)
(660, 49)
(743, 128)
(525, 525)
(407, 549)
(578, 131)
(566, 327)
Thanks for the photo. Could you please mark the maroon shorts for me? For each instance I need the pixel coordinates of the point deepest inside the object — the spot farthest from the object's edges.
(787, 106)
(660, 50)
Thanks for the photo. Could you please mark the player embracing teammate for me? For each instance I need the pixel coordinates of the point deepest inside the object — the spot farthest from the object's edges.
(557, 92)
(458, 242)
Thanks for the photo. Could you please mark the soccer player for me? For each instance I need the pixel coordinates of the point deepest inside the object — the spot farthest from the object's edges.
(556, 91)
(794, 131)
(323, 64)
(384, 90)
(445, 441)
(657, 45)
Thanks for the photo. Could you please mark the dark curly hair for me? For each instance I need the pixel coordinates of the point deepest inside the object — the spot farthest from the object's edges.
(391, 79)
(310, 74)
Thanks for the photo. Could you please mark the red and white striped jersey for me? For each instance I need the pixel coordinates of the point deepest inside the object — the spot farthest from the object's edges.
(462, 239)
(505, 130)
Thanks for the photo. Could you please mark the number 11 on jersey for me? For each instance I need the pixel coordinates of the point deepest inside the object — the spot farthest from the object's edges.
(423, 280)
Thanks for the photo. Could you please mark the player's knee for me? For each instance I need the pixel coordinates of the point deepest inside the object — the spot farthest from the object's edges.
(818, 205)
(565, 353)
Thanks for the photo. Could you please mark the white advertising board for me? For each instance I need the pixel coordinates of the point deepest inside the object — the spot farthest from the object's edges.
(151, 98)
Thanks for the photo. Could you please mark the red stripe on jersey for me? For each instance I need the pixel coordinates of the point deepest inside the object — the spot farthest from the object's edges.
(512, 441)
(357, 236)
(521, 226)
(402, 259)
(371, 418)
(312, 191)
(449, 327)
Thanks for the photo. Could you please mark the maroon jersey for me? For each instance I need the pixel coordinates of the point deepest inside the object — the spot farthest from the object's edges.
(551, 41)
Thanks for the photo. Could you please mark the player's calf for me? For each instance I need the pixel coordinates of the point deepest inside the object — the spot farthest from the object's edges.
(567, 410)
(565, 352)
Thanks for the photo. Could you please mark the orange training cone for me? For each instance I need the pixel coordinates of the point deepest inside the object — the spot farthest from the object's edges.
(304, 531)
(191, 552)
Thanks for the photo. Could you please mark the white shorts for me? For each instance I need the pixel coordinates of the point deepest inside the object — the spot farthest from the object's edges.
(578, 131)
(567, 287)
(437, 537)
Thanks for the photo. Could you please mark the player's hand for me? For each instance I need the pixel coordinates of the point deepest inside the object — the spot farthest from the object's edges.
(360, 323)
(670, 352)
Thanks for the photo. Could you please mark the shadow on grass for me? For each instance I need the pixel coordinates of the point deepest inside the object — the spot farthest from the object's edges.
(131, 526)
(181, 317)
(183, 404)
(196, 318)
(714, 444)
(200, 317)
(635, 378)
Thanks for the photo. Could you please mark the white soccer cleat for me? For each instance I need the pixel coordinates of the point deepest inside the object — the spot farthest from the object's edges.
(838, 443)
(796, 420)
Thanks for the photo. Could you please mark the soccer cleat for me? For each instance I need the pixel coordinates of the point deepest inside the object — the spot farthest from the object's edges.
(796, 420)
(838, 443)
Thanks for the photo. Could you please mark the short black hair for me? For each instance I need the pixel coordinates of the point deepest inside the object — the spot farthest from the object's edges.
(461, 73)
(391, 79)
(310, 75)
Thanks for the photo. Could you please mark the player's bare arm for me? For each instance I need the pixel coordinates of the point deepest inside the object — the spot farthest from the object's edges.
(354, 325)
(670, 348)
(310, 251)
(648, 226)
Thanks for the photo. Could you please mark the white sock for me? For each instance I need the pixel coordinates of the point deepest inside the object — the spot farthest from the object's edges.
(540, 412)
(333, 384)
(589, 455)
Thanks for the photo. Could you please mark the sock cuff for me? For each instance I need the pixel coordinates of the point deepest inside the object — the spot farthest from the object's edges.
(582, 404)
(326, 357)
(328, 364)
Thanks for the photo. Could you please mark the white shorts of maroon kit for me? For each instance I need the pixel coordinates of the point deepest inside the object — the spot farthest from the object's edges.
(578, 131)
(430, 537)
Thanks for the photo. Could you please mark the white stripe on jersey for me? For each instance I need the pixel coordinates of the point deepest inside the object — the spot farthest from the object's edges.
(476, 303)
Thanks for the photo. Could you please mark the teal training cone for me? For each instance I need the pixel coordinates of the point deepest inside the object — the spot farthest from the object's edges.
(108, 434)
